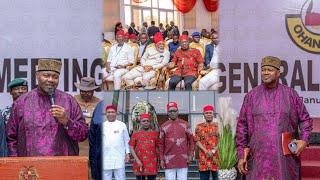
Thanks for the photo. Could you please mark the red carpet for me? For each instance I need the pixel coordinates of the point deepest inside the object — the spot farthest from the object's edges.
(311, 158)
(316, 125)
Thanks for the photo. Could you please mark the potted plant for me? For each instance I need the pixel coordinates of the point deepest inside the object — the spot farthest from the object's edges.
(227, 157)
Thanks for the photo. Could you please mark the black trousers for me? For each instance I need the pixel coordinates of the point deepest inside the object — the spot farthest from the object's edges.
(150, 177)
(188, 80)
(205, 175)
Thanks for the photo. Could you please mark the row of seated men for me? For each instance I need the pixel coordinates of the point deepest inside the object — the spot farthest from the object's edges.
(162, 64)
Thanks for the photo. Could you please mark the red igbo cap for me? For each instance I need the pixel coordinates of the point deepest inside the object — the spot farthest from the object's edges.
(145, 116)
(208, 108)
(120, 33)
(184, 38)
(172, 104)
(132, 36)
(111, 107)
(157, 38)
(126, 34)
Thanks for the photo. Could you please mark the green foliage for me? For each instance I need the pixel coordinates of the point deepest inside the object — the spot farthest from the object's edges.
(227, 157)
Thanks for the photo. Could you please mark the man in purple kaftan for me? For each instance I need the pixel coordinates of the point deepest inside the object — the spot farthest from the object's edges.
(38, 128)
(267, 111)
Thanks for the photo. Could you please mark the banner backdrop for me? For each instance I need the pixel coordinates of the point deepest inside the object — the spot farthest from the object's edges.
(67, 30)
(288, 29)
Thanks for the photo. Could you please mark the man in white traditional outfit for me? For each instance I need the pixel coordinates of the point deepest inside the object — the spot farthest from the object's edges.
(211, 80)
(115, 146)
(121, 56)
(153, 59)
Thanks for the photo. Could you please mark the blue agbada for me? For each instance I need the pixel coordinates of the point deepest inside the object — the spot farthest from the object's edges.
(95, 141)
(3, 143)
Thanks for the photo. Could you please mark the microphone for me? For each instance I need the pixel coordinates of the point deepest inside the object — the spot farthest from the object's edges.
(52, 96)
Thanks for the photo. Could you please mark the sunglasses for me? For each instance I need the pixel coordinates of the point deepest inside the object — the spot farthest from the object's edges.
(173, 111)
(144, 120)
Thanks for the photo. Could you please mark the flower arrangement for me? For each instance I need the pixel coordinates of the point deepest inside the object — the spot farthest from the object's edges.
(227, 157)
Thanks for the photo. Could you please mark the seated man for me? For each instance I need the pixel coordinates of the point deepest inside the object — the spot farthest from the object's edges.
(174, 45)
(188, 61)
(154, 58)
(135, 47)
(121, 56)
(211, 80)
(197, 44)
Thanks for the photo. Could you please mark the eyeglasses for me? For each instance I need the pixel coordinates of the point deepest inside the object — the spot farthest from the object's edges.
(144, 120)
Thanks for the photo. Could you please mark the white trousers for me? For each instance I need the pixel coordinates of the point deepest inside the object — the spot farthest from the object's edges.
(180, 173)
(208, 81)
(137, 74)
(114, 76)
(119, 174)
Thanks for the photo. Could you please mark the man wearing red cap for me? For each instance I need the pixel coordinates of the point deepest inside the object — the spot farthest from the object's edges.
(115, 139)
(126, 37)
(121, 56)
(143, 146)
(206, 138)
(153, 59)
(135, 47)
(188, 61)
(176, 145)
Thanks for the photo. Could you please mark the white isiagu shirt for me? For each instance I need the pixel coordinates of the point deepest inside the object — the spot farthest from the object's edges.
(115, 144)
(120, 55)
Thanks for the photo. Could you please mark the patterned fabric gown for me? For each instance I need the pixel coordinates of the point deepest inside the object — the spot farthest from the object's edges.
(145, 144)
(207, 135)
(264, 116)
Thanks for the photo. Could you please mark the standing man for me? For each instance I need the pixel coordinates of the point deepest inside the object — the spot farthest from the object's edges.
(115, 139)
(153, 29)
(144, 28)
(206, 138)
(173, 28)
(188, 61)
(40, 127)
(269, 110)
(176, 145)
(95, 141)
(132, 29)
(121, 56)
(17, 87)
(144, 148)
(86, 98)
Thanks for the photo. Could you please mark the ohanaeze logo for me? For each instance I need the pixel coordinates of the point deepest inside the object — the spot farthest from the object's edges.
(304, 28)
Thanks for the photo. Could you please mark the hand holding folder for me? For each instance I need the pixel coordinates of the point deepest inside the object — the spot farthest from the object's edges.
(286, 140)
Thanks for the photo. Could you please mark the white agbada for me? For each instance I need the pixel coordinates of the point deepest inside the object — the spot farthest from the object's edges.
(115, 144)
(151, 57)
(123, 56)
(211, 80)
